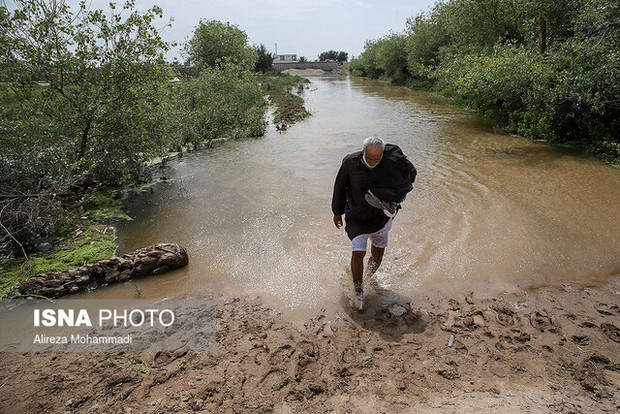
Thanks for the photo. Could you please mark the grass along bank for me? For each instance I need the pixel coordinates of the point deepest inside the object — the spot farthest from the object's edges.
(87, 236)
(89, 242)
(283, 92)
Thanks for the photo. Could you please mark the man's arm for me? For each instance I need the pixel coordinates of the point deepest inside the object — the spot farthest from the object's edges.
(338, 221)
(339, 198)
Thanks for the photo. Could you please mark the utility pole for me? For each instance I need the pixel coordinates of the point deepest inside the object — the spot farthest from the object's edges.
(276, 48)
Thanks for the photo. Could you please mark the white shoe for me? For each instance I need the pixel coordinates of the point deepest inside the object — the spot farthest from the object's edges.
(357, 302)
(389, 207)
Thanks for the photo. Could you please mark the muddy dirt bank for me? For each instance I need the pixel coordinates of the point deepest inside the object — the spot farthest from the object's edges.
(548, 350)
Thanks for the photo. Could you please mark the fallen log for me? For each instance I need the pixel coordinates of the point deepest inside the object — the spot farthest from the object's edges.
(151, 260)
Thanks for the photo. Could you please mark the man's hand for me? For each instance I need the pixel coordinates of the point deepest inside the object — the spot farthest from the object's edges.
(338, 221)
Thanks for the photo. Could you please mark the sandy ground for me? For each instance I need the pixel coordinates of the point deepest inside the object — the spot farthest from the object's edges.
(304, 72)
(551, 350)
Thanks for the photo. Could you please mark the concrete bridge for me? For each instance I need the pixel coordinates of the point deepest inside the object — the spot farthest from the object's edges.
(326, 66)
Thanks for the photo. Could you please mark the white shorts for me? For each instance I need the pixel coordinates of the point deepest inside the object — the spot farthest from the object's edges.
(378, 239)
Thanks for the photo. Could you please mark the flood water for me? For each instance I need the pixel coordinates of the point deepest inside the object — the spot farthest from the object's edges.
(488, 211)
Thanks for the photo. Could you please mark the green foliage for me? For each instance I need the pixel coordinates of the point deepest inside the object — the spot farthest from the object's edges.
(339, 57)
(480, 23)
(563, 97)
(426, 37)
(289, 107)
(100, 75)
(105, 206)
(559, 15)
(383, 58)
(366, 64)
(78, 92)
(214, 42)
(89, 244)
(223, 102)
(495, 85)
(265, 59)
(86, 102)
(392, 58)
(599, 20)
(485, 54)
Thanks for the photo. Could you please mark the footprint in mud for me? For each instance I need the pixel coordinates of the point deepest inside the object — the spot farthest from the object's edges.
(593, 375)
(281, 356)
(390, 314)
(306, 360)
(581, 339)
(275, 380)
(605, 309)
(523, 337)
(541, 321)
(505, 316)
(161, 359)
(611, 331)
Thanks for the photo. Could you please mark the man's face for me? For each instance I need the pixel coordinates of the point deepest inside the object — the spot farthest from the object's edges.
(372, 156)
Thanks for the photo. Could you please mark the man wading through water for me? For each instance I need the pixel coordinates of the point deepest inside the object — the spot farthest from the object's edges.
(369, 188)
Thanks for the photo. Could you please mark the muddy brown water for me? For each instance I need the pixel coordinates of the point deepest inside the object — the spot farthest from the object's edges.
(489, 212)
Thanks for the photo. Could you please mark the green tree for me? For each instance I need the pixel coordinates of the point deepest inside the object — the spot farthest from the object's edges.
(366, 64)
(383, 58)
(214, 42)
(392, 57)
(79, 101)
(98, 67)
(224, 101)
(427, 35)
(265, 59)
(599, 22)
(334, 55)
(478, 23)
(549, 69)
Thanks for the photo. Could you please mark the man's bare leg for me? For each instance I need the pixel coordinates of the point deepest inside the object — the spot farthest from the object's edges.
(357, 269)
(374, 261)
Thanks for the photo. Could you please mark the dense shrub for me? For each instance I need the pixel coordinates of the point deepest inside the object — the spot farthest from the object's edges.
(427, 36)
(548, 70)
(223, 102)
(367, 64)
(506, 85)
(90, 106)
(392, 57)
(383, 58)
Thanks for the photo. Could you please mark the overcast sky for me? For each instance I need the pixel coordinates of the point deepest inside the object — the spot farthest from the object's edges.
(303, 27)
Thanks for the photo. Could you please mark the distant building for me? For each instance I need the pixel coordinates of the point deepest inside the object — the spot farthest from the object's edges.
(285, 58)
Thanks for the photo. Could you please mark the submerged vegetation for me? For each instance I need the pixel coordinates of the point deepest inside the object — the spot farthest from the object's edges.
(289, 107)
(87, 103)
(548, 71)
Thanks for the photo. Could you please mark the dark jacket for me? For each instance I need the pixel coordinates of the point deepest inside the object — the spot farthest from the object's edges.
(393, 175)
(392, 179)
